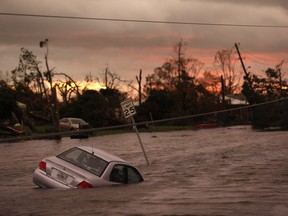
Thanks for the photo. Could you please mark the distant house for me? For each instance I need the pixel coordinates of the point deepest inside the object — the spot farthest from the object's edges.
(236, 99)
(238, 116)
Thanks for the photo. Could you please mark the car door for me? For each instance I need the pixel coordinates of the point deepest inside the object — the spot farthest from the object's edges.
(125, 174)
(65, 125)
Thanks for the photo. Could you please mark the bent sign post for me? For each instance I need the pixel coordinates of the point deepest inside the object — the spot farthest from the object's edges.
(129, 111)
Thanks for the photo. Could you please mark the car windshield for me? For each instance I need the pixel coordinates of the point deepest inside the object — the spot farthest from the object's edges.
(85, 160)
(78, 121)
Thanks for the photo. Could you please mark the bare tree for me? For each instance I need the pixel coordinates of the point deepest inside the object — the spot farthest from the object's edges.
(89, 78)
(185, 66)
(67, 89)
(211, 82)
(178, 72)
(113, 80)
(28, 73)
(48, 74)
(110, 80)
(225, 61)
(180, 60)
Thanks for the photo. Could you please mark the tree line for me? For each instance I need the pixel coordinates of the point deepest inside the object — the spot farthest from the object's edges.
(180, 86)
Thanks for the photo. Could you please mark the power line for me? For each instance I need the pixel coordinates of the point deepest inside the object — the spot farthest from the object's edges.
(45, 136)
(144, 21)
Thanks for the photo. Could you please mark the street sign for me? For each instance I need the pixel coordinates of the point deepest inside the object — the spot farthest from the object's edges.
(129, 111)
(128, 108)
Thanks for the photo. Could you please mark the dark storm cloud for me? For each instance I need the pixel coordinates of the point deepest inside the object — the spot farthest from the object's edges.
(86, 44)
(259, 3)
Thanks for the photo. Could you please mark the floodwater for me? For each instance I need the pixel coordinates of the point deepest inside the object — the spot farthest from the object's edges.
(221, 171)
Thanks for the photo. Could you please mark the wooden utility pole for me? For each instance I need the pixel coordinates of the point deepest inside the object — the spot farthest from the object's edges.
(243, 66)
(139, 80)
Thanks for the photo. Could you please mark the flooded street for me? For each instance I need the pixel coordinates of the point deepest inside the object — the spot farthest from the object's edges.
(222, 171)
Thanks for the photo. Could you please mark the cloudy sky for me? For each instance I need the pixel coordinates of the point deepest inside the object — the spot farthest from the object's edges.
(80, 46)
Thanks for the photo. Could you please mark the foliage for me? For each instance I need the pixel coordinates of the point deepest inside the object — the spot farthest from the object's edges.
(211, 82)
(259, 90)
(173, 89)
(98, 108)
(28, 73)
(160, 103)
(30, 88)
(34, 87)
(7, 101)
(10, 110)
(284, 116)
(67, 89)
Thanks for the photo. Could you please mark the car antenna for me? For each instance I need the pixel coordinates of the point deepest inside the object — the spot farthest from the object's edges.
(92, 149)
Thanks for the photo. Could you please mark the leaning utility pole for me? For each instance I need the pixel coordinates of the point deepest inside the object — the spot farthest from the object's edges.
(243, 66)
(139, 79)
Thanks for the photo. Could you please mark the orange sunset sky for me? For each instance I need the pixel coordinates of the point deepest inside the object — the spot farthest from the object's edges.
(111, 35)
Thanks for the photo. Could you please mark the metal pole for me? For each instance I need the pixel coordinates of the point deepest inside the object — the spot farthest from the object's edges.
(140, 141)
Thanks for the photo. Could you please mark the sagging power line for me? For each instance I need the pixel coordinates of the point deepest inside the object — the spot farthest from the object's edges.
(51, 135)
(143, 21)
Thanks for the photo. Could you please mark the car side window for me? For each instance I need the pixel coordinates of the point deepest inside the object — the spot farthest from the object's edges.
(133, 175)
(65, 120)
(125, 175)
(118, 174)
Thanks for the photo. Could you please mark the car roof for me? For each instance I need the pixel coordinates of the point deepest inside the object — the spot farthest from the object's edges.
(101, 154)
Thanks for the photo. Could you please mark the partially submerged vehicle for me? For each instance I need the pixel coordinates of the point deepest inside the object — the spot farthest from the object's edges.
(84, 167)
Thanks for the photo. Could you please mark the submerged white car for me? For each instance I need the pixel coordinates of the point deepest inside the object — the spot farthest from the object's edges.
(84, 167)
